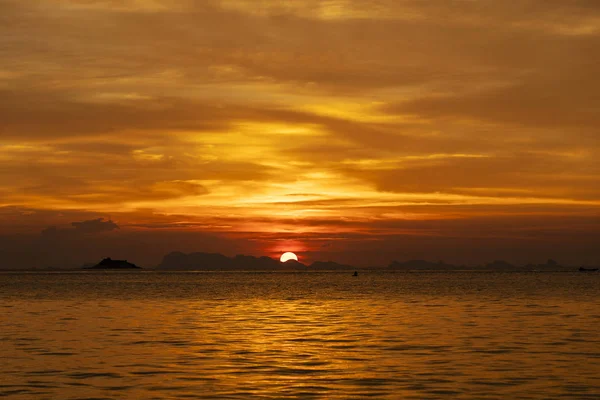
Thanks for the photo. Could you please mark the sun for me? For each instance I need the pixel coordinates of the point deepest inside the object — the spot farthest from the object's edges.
(288, 256)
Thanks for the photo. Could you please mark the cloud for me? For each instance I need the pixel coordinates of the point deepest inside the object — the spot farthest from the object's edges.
(569, 102)
(89, 227)
(217, 117)
(95, 226)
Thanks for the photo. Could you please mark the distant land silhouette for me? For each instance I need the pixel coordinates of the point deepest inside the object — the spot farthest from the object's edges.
(200, 261)
(497, 265)
(109, 263)
(215, 261)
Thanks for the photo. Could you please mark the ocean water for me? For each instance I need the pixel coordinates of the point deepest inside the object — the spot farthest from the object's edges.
(152, 335)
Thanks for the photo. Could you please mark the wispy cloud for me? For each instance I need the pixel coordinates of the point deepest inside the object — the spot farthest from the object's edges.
(243, 116)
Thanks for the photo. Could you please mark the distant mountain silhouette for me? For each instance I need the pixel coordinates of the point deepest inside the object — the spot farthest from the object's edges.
(109, 263)
(215, 261)
(199, 261)
(178, 261)
(497, 265)
(257, 263)
(219, 262)
(550, 264)
(293, 264)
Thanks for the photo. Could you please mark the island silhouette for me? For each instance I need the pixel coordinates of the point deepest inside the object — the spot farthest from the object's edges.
(109, 263)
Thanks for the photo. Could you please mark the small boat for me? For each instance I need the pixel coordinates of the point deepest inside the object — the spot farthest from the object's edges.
(582, 269)
(355, 273)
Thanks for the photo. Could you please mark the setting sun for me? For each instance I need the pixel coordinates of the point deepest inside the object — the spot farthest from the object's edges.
(288, 256)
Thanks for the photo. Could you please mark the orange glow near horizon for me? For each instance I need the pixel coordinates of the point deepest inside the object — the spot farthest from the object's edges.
(249, 130)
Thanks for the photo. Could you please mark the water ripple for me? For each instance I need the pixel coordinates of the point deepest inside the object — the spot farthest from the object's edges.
(273, 336)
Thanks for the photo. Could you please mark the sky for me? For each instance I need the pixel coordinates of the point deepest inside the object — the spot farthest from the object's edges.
(348, 130)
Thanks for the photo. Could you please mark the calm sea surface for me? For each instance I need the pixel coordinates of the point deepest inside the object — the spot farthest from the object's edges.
(151, 335)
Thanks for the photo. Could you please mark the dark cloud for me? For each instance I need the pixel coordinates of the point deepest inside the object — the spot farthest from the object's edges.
(89, 227)
(95, 226)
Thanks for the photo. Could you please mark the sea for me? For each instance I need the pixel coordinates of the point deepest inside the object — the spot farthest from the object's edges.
(299, 335)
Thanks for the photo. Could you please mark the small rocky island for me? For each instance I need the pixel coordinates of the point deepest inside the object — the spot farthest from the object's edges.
(109, 263)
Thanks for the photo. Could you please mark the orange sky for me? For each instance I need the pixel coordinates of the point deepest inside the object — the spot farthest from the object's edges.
(353, 130)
